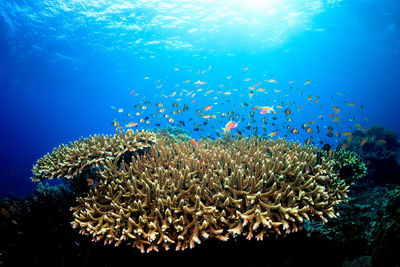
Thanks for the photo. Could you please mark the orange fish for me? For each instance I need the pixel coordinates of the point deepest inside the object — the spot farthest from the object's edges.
(336, 109)
(192, 101)
(173, 94)
(336, 118)
(352, 104)
(266, 109)
(131, 92)
(194, 142)
(291, 154)
(207, 108)
(365, 139)
(250, 94)
(346, 133)
(255, 107)
(344, 146)
(307, 82)
(382, 141)
(257, 83)
(349, 139)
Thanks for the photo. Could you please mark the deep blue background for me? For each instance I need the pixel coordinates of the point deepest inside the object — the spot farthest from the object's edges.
(53, 91)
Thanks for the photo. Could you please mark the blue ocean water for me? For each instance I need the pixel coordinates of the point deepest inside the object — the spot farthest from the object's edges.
(67, 69)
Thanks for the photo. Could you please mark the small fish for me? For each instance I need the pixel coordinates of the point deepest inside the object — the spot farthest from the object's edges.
(344, 146)
(273, 134)
(200, 82)
(346, 133)
(207, 107)
(336, 109)
(245, 68)
(349, 139)
(230, 125)
(352, 104)
(266, 109)
(120, 110)
(291, 154)
(173, 94)
(206, 116)
(381, 141)
(131, 124)
(131, 92)
(358, 126)
(337, 118)
(90, 181)
(194, 142)
(363, 141)
(307, 82)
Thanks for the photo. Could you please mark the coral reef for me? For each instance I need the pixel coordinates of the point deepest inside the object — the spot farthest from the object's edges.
(177, 193)
(386, 234)
(66, 161)
(379, 153)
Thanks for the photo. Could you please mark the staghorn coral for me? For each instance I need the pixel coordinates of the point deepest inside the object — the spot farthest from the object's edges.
(177, 194)
(70, 160)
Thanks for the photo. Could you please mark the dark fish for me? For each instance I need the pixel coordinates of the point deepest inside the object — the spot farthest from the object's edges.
(330, 134)
(196, 129)
(326, 147)
(175, 105)
(182, 122)
(248, 127)
(295, 131)
(287, 111)
(157, 124)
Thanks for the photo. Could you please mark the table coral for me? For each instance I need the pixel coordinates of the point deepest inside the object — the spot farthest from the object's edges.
(69, 160)
(180, 194)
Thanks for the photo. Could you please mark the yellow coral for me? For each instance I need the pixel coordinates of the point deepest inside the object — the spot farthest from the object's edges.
(70, 160)
(180, 195)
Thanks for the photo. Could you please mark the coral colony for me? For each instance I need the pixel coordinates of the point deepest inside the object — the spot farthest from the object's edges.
(151, 191)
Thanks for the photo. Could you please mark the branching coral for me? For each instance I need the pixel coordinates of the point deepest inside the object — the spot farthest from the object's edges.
(70, 160)
(180, 194)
